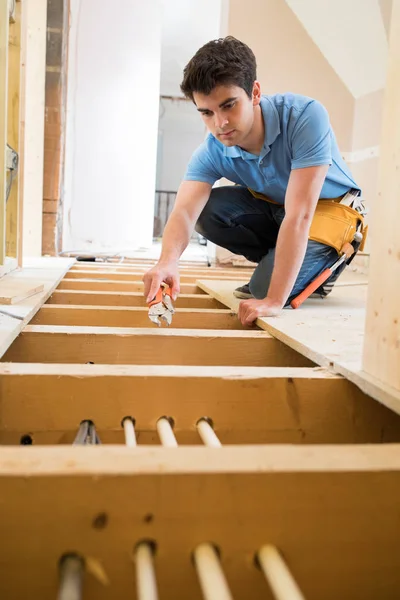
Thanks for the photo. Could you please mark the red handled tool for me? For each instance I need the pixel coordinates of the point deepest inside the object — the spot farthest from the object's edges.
(347, 251)
(161, 306)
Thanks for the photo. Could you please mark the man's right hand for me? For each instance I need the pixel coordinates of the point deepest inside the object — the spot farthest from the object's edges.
(160, 273)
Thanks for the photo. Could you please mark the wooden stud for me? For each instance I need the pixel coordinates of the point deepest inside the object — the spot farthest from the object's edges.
(41, 343)
(128, 299)
(207, 433)
(146, 583)
(258, 405)
(280, 579)
(13, 137)
(381, 351)
(4, 34)
(211, 576)
(133, 316)
(129, 429)
(165, 431)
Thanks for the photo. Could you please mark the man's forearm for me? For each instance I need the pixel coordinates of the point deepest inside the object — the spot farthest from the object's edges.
(289, 255)
(176, 237)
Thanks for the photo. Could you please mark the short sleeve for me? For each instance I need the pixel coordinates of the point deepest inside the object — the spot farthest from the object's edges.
(201, 167)
(311, 141)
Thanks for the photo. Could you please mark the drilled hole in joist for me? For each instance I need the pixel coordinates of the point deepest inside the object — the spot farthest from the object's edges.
(26, 440)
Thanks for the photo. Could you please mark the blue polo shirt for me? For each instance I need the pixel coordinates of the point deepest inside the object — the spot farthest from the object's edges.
(297, 134)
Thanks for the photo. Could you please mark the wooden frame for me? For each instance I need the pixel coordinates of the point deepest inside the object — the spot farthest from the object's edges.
(10, 131)
(303, 463)
(314, 504)
(254, 391)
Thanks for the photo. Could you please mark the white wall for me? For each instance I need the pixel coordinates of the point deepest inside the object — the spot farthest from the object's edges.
(112, 120)
(181, 130)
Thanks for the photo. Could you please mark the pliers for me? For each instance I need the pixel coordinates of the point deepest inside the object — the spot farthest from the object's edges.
(161, 306)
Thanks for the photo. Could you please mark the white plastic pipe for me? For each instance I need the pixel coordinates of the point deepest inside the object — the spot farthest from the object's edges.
(129, 429)
(166, 434)
(279, 577)
(211, 576)
(208, 434)
(71, 578)
(146, 583)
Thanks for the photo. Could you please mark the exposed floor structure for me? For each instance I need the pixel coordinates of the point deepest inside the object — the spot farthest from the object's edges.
(225, 451)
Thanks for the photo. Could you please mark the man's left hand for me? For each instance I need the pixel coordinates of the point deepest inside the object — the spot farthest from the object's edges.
(250, 310)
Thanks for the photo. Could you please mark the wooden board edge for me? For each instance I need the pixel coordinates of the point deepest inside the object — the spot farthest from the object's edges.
(118, 460)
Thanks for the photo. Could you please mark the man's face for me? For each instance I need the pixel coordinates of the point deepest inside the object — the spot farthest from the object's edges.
(228, 112)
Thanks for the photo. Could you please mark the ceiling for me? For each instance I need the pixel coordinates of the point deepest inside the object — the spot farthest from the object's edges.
(350, 34)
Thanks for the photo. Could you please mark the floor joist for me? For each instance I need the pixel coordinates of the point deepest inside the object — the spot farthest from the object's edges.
(133, 316)
(107, 345)
(128, 299)
(245, 404)
(314, 504)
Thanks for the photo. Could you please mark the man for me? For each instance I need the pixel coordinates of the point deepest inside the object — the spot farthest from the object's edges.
(281, 152)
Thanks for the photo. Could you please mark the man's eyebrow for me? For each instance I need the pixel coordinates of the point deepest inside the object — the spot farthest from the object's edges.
(227, 101)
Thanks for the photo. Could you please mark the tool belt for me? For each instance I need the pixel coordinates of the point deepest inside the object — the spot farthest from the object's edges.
(333, 224)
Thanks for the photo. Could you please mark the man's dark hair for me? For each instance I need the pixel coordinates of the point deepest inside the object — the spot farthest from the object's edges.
(226, 61)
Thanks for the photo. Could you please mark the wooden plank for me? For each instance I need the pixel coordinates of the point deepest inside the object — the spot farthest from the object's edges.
(22, 121)
(135, 275)
(114, 285)
(108, 345)
(12, 293)
(128, 299)
(79, 266)
(133, 316)
(14, 77)
(13, 318)
(315, 504)
(4, 28)
(330, 332)
(381, 353)
(247, 405)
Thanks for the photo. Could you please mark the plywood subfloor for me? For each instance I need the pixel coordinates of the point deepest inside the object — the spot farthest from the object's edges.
(330, 332)
(46, 272)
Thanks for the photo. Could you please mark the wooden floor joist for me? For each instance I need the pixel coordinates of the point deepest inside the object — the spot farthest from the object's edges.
(108, 345)
(246, 404)
(127, 299)
(134, 316)
(314, 504)
(300, 459)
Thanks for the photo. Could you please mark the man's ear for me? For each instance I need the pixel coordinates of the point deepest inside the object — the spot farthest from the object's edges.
(256, 93)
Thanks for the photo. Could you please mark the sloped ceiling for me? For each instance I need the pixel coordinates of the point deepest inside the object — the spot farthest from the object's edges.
(351, 35)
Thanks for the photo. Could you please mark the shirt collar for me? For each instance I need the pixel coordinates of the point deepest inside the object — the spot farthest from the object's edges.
(272, 130)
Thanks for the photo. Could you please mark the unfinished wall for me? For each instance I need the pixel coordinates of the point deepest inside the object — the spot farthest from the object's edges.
(54, 140)
(112, 115)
